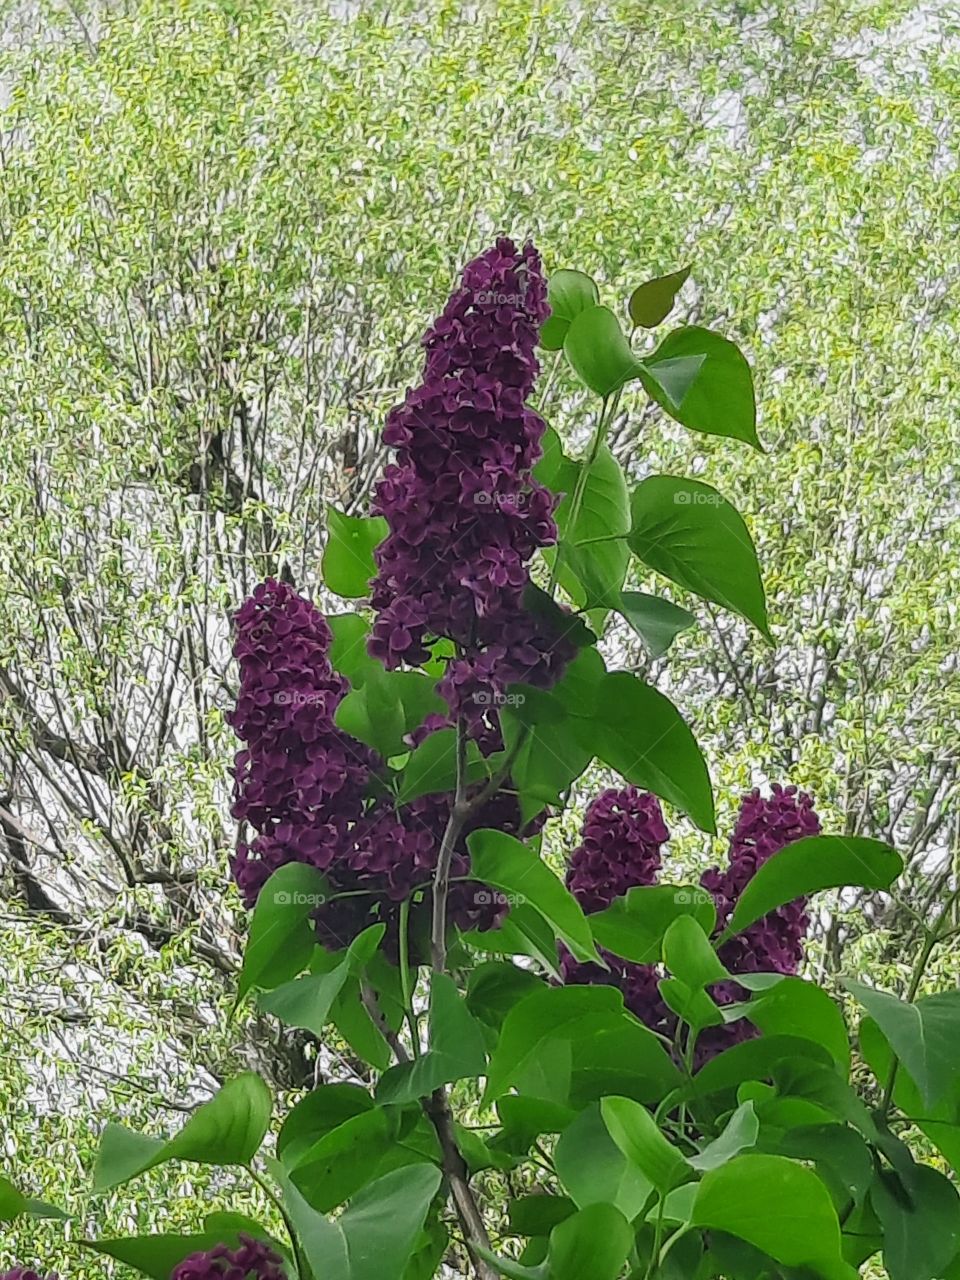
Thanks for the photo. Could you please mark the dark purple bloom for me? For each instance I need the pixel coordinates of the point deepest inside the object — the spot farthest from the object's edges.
(253, 1260)
(775, 943)
(465, 516)
(25, 1273)
(764, 827)
(622, 836)
(395, 851)
(300, 782)
(623, 832)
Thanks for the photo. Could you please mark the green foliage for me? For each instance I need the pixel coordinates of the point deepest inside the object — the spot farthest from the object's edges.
(498, 859)
(640, 734)
(456, 1050)
(807, 866)
(281, 939)
(569, 293)
(191, 342)
(704, 381)
(689, 533)
(348, 563)
(651, 302)
(227, 1130)
(386, 706)
(307, 1002)
(377, 1232)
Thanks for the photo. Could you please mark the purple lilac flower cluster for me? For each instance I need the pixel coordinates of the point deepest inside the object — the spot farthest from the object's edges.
(253, 1260)
(764, 827)
(622, 837)
(773, 944)
(24, 1273)
(302, 783)
(395, 851)
(623, 833)
(464, 514)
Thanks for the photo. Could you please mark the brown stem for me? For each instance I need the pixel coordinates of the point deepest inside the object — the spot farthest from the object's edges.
(437, 1108)
(462, 810)
(370, 1002)
(452, 832)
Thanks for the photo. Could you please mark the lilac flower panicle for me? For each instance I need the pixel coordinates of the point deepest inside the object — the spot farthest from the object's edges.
(252, 1260)
(300, 781)
(397, 849)
(621, 847)
(773, 944)
(26, 1273)
(623, 832)
(764, 827)
(465, 515)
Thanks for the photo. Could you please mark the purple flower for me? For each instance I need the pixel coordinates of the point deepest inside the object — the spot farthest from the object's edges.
(253, 1260)
(25, 1273)
(465, 516)
(300, 782)
(764, 827)
(622, 837)
(623, 832)
(395, 851)
(773, 944)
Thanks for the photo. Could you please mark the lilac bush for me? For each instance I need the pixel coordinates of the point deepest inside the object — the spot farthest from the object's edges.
(428, 827)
